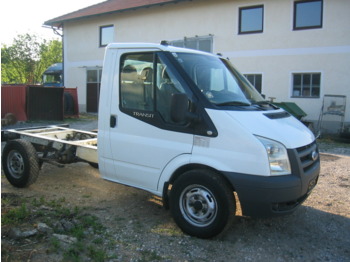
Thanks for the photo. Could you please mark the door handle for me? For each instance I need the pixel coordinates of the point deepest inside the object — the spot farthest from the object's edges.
(113, 121)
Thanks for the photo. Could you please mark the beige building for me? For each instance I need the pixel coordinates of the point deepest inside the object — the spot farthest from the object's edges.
(294, 51)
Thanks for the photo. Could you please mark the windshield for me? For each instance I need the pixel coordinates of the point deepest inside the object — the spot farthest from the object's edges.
(52, 78)
(218, 80)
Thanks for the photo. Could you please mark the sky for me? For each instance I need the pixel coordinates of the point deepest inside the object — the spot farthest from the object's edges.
(28, 16)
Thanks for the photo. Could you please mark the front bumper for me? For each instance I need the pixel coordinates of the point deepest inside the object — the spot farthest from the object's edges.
(262, 196)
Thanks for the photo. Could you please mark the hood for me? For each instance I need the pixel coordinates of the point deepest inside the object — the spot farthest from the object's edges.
(276, 125)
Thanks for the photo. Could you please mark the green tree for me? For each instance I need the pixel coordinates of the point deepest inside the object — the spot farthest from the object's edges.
(27, 58)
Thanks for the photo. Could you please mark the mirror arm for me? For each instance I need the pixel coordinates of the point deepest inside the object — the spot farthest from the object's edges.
(193, 117)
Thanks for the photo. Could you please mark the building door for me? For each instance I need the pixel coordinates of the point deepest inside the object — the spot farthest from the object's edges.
(93, 83)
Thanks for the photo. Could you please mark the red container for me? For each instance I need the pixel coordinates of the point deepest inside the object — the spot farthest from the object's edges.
(13, 100)
(45, 103)
(28, 104)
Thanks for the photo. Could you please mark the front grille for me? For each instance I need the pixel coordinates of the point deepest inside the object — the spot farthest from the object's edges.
(309, 156)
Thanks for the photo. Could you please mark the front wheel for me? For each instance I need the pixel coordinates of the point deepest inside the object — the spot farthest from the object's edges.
(202, 204)
(20, 163)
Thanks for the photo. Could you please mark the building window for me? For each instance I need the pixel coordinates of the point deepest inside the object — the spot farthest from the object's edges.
(306, 85)
(106, 35)
(202, 43)
(255, 80)
(251, 19)
(308, 14)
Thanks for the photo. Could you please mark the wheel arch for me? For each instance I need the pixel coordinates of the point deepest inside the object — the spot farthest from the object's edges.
(183, 169)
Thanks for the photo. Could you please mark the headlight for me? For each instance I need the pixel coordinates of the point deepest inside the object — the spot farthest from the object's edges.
(278, 157)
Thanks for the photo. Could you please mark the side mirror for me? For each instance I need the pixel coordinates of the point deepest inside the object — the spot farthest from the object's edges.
(179, 107)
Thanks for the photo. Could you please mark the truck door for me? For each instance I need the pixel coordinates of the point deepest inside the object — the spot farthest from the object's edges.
(143, 137)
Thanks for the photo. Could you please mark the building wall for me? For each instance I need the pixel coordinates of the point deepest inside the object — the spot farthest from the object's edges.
(276, 53)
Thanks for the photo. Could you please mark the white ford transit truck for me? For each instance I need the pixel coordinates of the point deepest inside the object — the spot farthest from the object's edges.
(188, 127)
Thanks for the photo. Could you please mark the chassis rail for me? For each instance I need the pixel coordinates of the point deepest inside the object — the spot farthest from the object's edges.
(58, 143)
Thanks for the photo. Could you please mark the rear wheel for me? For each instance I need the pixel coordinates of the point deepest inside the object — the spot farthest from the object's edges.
(202, 204)
(11, 118)
(20, 163)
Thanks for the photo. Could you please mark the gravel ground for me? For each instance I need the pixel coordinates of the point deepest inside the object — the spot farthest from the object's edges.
(137, 228)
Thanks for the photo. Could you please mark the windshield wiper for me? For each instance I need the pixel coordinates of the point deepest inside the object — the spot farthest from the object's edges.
(234, 103)
(263, 102)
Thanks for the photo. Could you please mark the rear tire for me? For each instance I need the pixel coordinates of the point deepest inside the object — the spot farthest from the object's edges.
(20, 163)
(11, 119)
(202, 203)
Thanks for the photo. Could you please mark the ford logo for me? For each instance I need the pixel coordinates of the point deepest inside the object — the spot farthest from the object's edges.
(314, 155)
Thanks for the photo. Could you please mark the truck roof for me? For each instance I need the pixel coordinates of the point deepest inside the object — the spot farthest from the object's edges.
(161, 47)
(54, 69)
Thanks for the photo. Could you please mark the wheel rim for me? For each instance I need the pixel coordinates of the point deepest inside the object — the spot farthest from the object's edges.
(15, 164)
(198, 205)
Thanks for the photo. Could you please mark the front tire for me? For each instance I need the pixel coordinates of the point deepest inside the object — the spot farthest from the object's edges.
(20, 163)
(202, 203)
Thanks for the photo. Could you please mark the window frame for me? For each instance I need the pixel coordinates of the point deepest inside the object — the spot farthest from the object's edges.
(302, 85)
(101, 44)
(295, 4)
(184, 43)
(240, 32)
(255, 75)
(159, 58)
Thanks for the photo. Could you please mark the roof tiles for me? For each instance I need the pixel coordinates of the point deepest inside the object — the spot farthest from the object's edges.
(107, 7)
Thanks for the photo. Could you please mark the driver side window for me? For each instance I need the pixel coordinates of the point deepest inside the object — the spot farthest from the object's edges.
(147, 84)
(167, 85)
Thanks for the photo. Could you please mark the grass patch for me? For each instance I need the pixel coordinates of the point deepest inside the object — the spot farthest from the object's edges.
(55, 245)
(74, 252)
(16, 215)
(86, 196)
(87, 229)
(167, 231)
(96, 254)
(89, 221)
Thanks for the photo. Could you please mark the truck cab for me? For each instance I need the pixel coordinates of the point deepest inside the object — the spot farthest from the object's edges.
(188, 127)
(52, 77)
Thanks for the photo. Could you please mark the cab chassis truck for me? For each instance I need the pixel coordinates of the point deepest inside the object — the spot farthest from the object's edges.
(188, 127)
